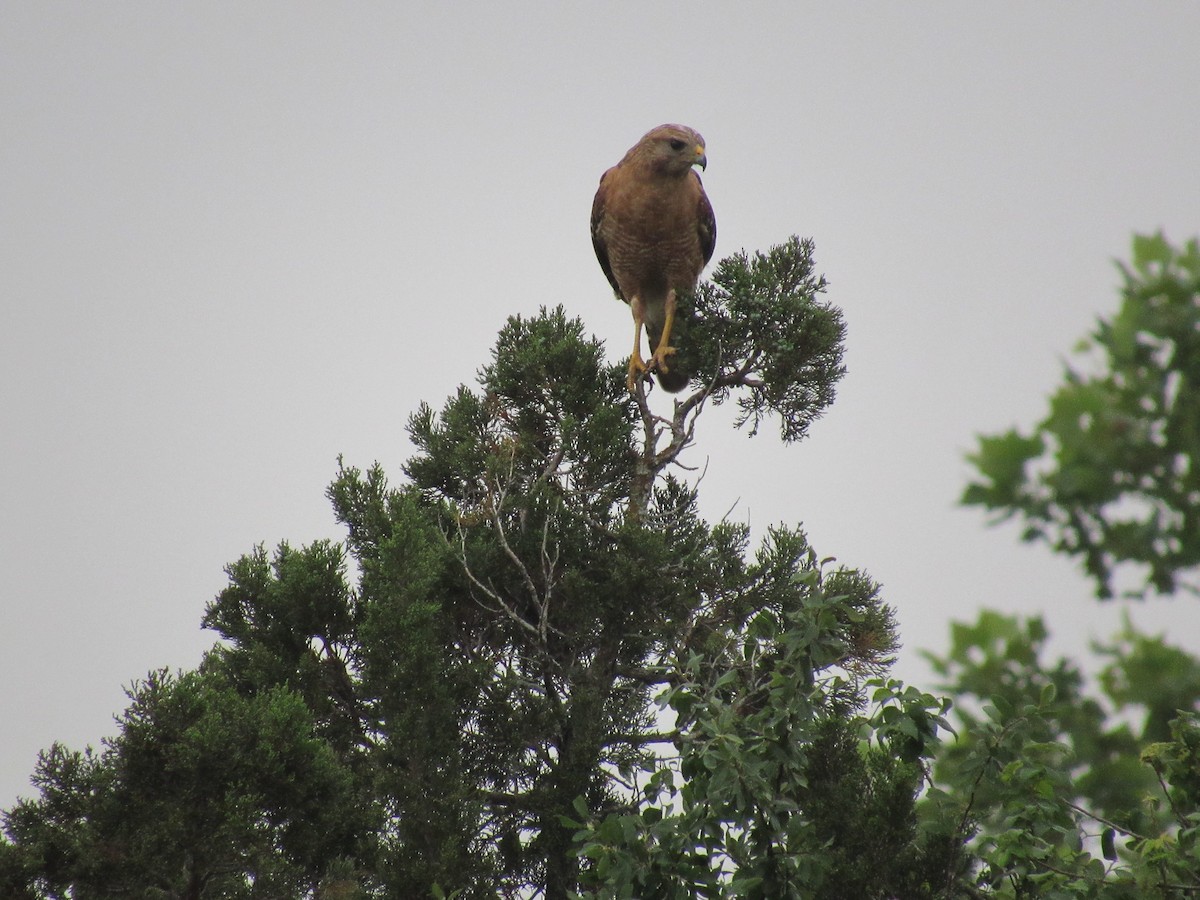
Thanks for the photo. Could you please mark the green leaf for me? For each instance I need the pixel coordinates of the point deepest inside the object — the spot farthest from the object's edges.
(1049, 692)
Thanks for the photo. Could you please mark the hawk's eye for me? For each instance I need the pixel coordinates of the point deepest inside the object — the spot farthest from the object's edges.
(677, 144)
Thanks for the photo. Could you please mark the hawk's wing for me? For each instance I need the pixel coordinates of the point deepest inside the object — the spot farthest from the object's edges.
(706, 223)
(598, 243)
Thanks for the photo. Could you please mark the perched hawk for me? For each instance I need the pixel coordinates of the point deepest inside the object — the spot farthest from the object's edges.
(654, 231)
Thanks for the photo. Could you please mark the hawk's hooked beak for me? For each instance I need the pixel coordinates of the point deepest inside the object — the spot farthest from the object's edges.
(701, 158)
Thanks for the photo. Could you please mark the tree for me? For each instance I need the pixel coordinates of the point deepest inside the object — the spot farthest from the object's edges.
(533, 669)
(1068, 789)
(206, 792)
(1064, 790)
(1112, 474)
(551, 676)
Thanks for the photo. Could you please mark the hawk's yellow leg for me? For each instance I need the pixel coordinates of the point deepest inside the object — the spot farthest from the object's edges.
(637, 365)
(664, 348)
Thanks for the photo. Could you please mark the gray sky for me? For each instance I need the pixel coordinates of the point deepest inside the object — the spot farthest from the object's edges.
(238, 239)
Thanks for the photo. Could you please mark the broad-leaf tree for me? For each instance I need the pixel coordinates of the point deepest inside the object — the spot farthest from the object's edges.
(1070, 787)
(1112, 473)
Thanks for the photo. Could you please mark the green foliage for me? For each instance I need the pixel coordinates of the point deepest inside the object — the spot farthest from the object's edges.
(1068, 791)
(549, 676)
(760, 332)
(782, 783)
(1061, 794)
(444, 725)
(1112, 474)
(205, 792)
(1150, 674)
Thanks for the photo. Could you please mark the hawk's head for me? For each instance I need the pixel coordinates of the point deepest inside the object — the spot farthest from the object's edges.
(671, 149)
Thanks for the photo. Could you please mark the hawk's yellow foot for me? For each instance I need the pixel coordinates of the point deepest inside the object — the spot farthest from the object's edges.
(637, 368)
(658, 362)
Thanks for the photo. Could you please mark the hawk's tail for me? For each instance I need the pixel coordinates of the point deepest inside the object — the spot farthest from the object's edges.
(675, 379)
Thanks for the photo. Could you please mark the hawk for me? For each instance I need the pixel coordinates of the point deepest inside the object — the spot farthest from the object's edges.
(653, 230)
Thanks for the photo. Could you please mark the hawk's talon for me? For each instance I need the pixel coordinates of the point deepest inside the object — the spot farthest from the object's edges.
(637, 369)
(658, 362)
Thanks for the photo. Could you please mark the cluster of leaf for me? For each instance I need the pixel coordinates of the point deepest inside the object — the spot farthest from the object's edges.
(1075, 794)
(1066, 794)
(757, 330)
(206, 792)
(1112, 474)
(784, 780)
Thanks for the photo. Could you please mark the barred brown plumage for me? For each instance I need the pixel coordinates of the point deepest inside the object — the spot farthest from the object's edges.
(653, 231)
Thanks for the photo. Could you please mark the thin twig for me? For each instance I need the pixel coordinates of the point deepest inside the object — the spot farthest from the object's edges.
(1103, 821)
(1170, 800)
(502, 494)
(490, 592)
(637, 740)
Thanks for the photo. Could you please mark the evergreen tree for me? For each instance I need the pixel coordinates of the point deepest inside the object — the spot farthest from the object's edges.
(551, 675)
(206, 792)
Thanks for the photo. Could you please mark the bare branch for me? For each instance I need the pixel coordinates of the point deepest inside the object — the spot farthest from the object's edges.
(492, 594)
(548, 566)
(502, 495)
(639, 740)
(1103, 821)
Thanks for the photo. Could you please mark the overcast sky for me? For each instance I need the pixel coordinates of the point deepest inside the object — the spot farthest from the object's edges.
(239, 239)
